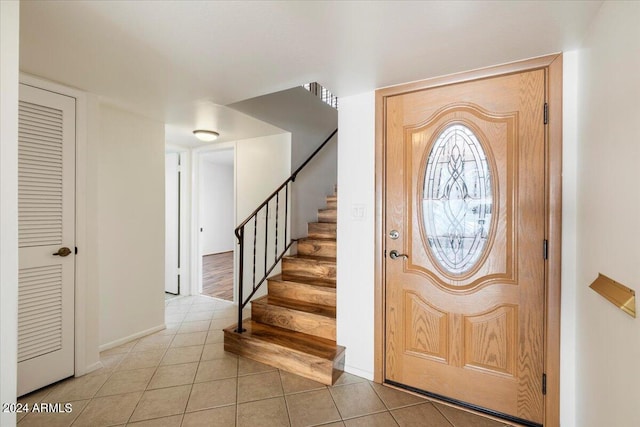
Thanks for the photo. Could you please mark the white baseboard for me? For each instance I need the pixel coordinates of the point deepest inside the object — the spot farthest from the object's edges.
(218, 253)
(359, 372)
(89, 369)
(131, 337)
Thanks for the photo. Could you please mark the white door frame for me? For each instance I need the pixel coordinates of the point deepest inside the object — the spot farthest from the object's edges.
(196, 264)
(81, 262)
(185, 220)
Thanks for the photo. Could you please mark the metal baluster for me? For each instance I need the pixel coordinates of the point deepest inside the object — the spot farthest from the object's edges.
(286, 213)
(266, 238)
(240, 280)
(275, 251)
(255, 235)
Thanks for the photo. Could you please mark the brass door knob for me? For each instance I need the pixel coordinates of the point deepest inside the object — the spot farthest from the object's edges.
(64, 251)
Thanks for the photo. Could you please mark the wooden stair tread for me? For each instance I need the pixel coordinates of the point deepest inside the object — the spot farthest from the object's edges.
(322, 259)
(314, 281)
(323, 224)
(291, 304)
(296, 341)
(317, 239)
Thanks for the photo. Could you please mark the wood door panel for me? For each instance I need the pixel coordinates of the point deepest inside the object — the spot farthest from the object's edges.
(490, 340)
(429, 333)
(472, 334)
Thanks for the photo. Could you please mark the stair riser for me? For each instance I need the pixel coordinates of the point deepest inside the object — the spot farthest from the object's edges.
(314, 368)
(303, 292)
(332, 204)
(325, 230)
(307, 323)
(317, 248)
(307, 268)
(330, 215)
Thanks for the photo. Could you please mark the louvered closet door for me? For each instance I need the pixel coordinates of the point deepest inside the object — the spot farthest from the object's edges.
(46, 207)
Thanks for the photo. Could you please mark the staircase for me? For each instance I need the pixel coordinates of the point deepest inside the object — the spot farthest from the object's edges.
(293, 327)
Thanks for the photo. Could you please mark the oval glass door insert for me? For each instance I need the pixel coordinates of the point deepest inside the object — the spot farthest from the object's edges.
(457, 199)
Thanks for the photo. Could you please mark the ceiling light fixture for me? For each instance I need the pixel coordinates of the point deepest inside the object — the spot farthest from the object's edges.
(206, 135)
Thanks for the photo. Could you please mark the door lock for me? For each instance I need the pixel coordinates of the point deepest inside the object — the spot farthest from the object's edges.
(393, 234)
(64, 251)
(395, 255)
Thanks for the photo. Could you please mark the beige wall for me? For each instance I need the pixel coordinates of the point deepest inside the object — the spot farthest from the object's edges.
(608, 228)
(129, 240)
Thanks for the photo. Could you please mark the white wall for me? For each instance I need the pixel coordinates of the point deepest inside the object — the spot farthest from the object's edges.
(216, 207)
(316, 181)
(130, 219)
(262, 164)
(310, 121)
(356, 187)
(9, 32)
(608, 352)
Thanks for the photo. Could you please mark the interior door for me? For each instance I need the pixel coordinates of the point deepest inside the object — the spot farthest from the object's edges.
(172, 224)
(465, 230)
(46, 237)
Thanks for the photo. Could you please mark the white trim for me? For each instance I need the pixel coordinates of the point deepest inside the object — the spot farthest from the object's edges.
(359, 372)
(81, 279)
(132, 337)
(9, 93)
(185, 271)
(217, 253)
(92, 367)
(196, 265)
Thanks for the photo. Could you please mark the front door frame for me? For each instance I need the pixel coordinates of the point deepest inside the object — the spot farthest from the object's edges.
(552, 64)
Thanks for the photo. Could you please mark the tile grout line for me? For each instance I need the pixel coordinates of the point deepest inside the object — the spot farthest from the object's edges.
(154, 373)
(284, 397)
(443, 415)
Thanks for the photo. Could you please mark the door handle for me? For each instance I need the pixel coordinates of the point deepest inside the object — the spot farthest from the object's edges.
(395, 255)
(64, 251)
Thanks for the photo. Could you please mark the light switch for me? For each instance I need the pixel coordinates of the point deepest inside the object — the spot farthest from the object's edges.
(358, 212)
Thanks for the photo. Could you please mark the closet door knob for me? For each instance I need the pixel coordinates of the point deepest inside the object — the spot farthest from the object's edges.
(64, 251)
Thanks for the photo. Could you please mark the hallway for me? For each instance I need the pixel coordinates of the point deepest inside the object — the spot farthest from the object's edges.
(182, 376)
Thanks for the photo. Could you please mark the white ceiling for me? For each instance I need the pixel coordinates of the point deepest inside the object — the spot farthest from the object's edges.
(168, 59)
(218, 157)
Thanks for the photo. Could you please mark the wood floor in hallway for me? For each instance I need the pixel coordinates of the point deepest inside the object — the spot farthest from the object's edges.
(217, 275)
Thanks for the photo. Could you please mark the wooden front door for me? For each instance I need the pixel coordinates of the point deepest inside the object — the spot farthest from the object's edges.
(464, 242)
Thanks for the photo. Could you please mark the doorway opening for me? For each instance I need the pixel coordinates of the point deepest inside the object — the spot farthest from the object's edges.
(217, 223)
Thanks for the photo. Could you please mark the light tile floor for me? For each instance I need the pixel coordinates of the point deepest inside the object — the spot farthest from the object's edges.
(182, 376)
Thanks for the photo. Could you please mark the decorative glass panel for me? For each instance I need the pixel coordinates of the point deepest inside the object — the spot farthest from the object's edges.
(457, 199)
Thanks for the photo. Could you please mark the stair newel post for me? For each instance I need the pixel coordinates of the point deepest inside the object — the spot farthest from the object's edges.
(240, 236)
